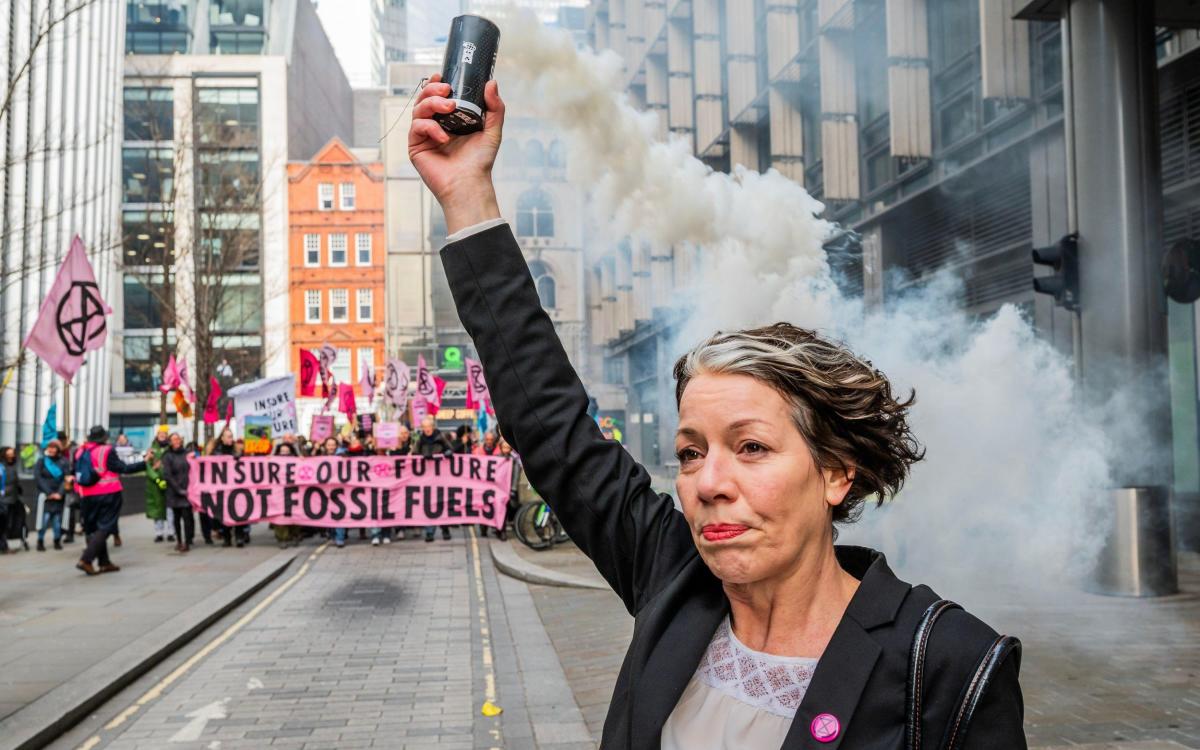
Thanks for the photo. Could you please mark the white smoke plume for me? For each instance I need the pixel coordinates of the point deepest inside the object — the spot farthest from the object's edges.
(1014, 467)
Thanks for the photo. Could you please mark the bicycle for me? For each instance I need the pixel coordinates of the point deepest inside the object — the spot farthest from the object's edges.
(537, 527)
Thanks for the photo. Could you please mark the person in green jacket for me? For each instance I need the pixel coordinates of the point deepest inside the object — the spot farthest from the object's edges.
(156, 486)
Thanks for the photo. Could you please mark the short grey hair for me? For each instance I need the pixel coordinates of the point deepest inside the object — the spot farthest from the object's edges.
(842, 406)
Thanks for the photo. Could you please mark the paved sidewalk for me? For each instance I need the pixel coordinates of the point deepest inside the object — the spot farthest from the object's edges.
(1098, 673)
(366, 647)
(57, 622)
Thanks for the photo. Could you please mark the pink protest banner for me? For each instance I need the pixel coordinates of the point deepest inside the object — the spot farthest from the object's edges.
(351, 492)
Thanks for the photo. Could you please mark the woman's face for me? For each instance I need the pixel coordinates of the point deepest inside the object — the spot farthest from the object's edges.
(756, 502)
(331, 445)
(52, 451)
(227, 437)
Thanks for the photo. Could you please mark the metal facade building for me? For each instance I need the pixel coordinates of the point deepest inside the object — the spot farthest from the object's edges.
(60, 169)
(218, 96)
(935, 128)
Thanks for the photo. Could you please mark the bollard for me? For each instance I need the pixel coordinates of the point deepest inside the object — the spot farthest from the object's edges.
(1138, 558)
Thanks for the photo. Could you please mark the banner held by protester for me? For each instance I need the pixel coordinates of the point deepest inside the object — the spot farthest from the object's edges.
(353, 492)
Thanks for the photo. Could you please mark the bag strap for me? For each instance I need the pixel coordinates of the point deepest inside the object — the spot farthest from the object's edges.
(915, 688)
(1000, 650)
(995, 655)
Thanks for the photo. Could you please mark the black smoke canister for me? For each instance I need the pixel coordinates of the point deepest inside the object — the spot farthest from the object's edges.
(470, 59)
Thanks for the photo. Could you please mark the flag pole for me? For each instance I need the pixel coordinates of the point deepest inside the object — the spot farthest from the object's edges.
(67, 411)
(8, 376)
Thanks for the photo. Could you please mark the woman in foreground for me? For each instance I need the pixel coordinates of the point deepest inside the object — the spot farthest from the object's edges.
(752, 629)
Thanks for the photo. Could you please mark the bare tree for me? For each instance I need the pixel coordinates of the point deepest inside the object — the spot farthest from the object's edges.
(205, 282)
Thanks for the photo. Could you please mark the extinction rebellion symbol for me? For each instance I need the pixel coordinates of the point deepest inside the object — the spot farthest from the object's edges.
(78, 331)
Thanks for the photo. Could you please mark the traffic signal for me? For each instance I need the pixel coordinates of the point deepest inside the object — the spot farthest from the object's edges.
(1063, 257)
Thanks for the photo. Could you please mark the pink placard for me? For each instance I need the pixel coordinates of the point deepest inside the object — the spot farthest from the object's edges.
(322, 427)
(387, 434)
(356, 492)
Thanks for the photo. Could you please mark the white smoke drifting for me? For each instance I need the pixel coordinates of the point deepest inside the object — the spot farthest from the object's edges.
(1014, 467)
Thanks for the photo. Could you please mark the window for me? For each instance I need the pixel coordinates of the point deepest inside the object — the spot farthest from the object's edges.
(339, 306)
(366, 305)
(229, 179)
(535, 154)
(231, 241)
(144, 358)
(147, 238)
(235, 13)
(238, 42)
(556, 157)
(337, 249)
(325, 196)
(227, 117)
(312, 305)
(148, 301)
(156, 28)
(544, 282)
(148, 175)
(148, 115)
(347, 193)
(312, 250)
(535, 217)
(362, 249)
(366, 362)
(954, 32)
(341, 366)
(240, 304)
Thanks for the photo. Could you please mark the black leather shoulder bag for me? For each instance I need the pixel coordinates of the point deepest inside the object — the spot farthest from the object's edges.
(980, 679)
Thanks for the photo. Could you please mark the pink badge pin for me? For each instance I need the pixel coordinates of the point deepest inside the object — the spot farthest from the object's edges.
(825, 728)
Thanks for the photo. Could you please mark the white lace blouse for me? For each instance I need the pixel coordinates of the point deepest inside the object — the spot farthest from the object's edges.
(738, 698)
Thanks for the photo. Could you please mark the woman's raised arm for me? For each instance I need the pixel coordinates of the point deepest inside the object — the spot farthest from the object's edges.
(602, 496)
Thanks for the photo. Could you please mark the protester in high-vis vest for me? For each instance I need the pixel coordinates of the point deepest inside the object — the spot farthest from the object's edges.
(102, 500)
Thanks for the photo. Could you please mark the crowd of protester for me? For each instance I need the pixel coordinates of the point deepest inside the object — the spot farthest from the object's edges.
(64, 507)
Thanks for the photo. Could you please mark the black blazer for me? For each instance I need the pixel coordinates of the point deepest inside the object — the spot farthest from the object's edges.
(644, 549)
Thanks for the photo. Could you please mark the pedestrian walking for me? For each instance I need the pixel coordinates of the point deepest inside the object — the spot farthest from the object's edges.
(71, 510)
(754, 629)
(175, 472)
(514, 492)
(156, 486)
(97, 461)
(12, 509)
(489, 447)
(50, 475)
(403, 448)
(431, 443)
(225, 445)
(286, 535)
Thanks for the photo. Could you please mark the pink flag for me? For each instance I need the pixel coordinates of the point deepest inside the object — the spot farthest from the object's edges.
(425, 385)
(211, 413)
(395, 384)
(308, 373)
(170, 377)
(367, 384)
(346, 399)
(330, 391)
(183, 381)
(71, 321)
(439, 385)
(420, 407)
(478, 395)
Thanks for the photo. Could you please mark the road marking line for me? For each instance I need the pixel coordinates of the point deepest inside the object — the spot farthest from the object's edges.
(489, 671)
(155, 692)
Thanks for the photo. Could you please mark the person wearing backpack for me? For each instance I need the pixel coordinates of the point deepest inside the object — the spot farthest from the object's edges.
(98, 472)
(10, 495)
